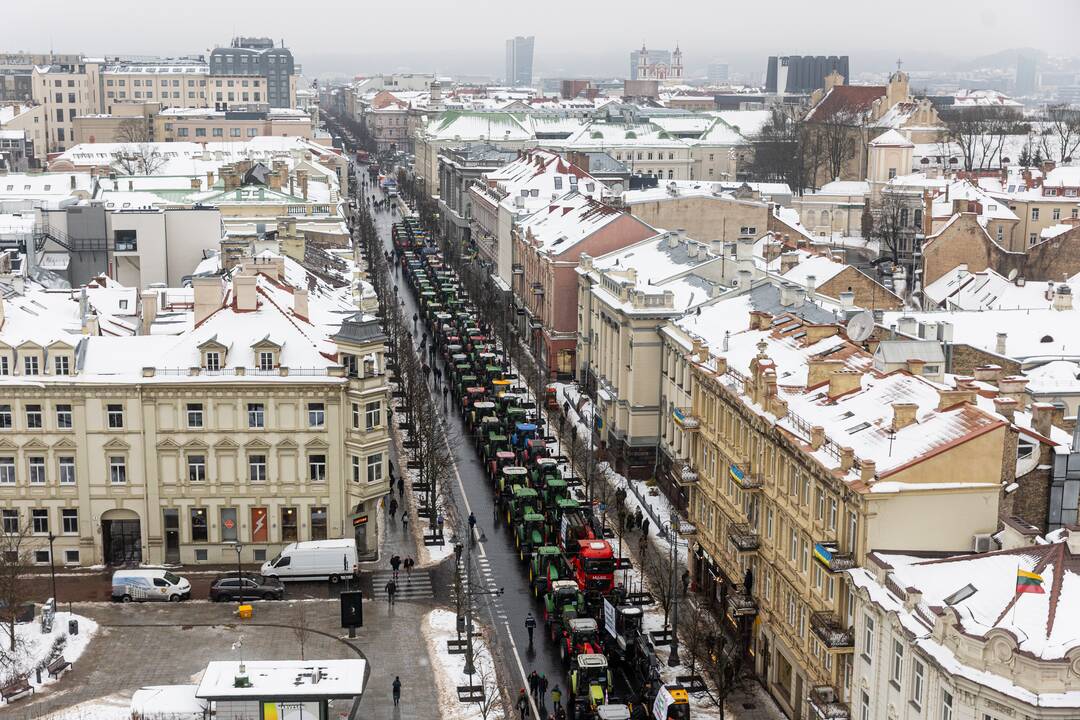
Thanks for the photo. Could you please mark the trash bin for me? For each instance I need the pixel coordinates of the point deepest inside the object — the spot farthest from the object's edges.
(73, 627)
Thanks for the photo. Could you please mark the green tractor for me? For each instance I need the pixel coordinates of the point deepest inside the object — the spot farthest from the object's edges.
(548, 566)
(511, 477)
(590, 682)
(524, 501)
(544, 471)
(563, 602)
(530, 534)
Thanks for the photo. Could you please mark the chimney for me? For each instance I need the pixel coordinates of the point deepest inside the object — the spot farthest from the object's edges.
(244, 292)
(673, 240)
(300, 303)
(302, 179)
(847, 300)
(147, 311)
(844, 381)
(818, 370)
(949, 398)
(869, 470)
(771, 250)
(847, 458)
(1006, 407)
(1015, 387)
(903, 414)
(1041, 415)
(1063, 297)
(196, 184)
(792, 295)
(692, 250)
(999, 348)
(988, 373)
(817, 437)
(915, 366)
(208, 293)
(788, 260)
(811, 285)
(209, 179)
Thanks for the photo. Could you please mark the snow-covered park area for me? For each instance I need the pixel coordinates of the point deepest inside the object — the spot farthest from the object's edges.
(35, 649)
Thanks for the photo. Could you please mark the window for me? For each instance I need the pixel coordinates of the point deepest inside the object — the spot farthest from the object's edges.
(946, 705)
(63, 417)
(39, 519)
(356, 415)
(374, 468)
(251, 132)
(125, 240)
(7, 471)
(1055, 214)
(257, 468)
(213, 361)
(41, 557)
(317, 468)
(61, 365)
(218, 132)
(67, 470)
(355, 468)
(69, 521)
(1034, 213)
(194, 415)
(117, 470)
(115, 415)
(1000, 233)
(316, 414)
(229, 526)
(37, 470)
(196, 468)
(199, 530)
(318, 523)
(864, 706)
(71, 557)
(9, 519)
(200, 132)
(5, 417)
(256, 415)
(182, 132)
(558, 183)
(233, 132)
(892, 173)
(868, 638)
(897, 662)
(372, 414)
(288, 524)
(1033, 238)
(33, 416)
(30, 365)
(266, 360)
(918, 674)
(5, 370)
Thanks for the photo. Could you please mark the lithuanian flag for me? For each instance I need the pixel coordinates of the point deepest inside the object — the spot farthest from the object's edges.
(1028, 582)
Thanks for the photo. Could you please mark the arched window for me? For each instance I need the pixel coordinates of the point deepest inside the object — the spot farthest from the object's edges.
(918, 219)
(903, 217)
(825, 218)
(670, 174)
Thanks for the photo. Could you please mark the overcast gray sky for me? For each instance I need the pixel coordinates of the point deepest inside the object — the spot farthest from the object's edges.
(455, 36)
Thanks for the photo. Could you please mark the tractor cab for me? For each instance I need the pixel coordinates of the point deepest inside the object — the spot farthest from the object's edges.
(580, 636)
(535, 449)
(494, 443)
(498, 384)
(613, 712)
(590, 680)
(530, 533)
(503, 458)
(510, 478)
(562, 604)
(622, 629)
(672, 703)
(524, 502)
(487, 427)
(480, 408)
(545, 470)
(523, 432)
(547, 566)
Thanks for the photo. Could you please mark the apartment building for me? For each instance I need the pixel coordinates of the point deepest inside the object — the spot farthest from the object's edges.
(29, 120)
(248, 410)
(251, 59)
(988, 636)
(237, 122)
(801, 457)
(66, 91)
(172, 83)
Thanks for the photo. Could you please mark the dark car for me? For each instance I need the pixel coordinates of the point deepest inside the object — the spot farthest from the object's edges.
(248, 586)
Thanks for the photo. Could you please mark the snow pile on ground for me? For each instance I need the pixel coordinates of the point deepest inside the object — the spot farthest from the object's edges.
(438, 627)
(34, 648)
(110, 707)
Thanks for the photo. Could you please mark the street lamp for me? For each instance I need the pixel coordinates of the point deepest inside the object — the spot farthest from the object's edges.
(673, 658)
(239, 548)
(52, 567)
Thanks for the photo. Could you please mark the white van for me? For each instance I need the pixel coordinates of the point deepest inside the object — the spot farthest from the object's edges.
(315, 560)
(142, 585)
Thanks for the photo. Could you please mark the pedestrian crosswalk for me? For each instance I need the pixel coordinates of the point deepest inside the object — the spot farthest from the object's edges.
(409, 587)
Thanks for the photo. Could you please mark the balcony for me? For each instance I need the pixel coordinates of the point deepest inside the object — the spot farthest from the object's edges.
(825, 705)
(745, 480)
(740, 604)
(832, 634)
(518, 269)
(829, 555)
(683, 418)
(743, 537)
(687, 477)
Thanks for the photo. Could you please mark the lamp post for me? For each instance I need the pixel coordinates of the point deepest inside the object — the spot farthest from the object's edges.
(239, 548)
(52, 567)
(673, 658)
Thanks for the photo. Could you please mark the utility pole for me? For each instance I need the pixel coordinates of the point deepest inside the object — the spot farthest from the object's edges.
(673, 658)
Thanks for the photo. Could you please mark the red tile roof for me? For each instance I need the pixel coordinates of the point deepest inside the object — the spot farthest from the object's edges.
(857, 98)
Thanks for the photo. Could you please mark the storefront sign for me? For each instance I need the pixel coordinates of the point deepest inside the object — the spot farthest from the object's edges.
(359, 520)
(260, 531)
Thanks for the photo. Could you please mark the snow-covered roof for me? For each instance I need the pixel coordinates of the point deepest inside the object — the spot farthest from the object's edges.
(563, 223)
(891, 138)
(987, 289)
(10, 112)
(821, 267)
(1056, 376)
(283, 679)
(535, 179)
(1064, 176)
(858, 188)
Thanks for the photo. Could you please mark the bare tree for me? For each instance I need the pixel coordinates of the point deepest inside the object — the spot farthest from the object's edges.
(138, 159)
(721, 666)
(133, 130)
(890, 227)
(15, 550)
(300, 625)
(656, 566)
(841, 138)
(979, 134)
(696, 636)
(778, 150)
(1061, 134)
(491, 706)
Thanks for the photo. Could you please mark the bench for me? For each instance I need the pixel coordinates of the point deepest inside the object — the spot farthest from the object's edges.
(58, 666)
(16, 688)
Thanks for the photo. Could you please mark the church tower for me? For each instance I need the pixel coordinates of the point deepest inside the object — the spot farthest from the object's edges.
(676, 64)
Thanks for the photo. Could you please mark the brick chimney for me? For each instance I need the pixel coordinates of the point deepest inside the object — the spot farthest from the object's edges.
(208, 295)
(844, 381)
(1041, 416)
(245, 293)
(300, 303)
(147, 311)
(988, 373)
(868, 471)
(818, 370)
(847, 458)
(817, 437)
(903, 414)
(1006, 407)
(788, 260)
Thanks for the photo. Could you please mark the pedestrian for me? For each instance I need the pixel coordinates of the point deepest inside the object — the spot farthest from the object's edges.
(472, 523)
(556, 697)
(404, 521)
(393, 508)
(530, 625)
(391, 589)
(541, 694)
(523, 704)
(401, 487)
(638, 517)
(395, 563)
(643, 544)
(645, 527)
(534, 683)
(397, 689)
(439, 521)
(409, 563)
(685, 582)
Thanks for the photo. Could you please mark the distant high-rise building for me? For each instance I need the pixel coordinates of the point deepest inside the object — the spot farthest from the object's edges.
(519, 61)
(717, 73)
(802, 73)
(653, 58)
(1026, 68)
(258, 57)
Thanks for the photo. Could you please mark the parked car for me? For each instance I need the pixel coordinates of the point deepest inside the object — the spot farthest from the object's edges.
(248, 586)
(314, 560)
(149, 584)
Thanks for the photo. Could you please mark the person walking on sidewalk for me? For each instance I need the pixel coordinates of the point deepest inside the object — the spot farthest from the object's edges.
(404, 521)
(523, 704)
(395, 564)
(401, 487)
(393, 508)
(397, 689)
(530, 625)
(391, 590)
(638, 517)
(645, 527)
(472, 523)
(556, 698)
(541, 692)
(409, 563)
(534, 683)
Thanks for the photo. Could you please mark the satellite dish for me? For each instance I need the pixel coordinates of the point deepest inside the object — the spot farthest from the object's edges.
(1013, 273)
(860, 326)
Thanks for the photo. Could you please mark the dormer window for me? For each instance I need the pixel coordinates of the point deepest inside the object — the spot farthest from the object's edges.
(61, 365)
(5, 368)
(30, 365)
(212, 360)
(266, 360)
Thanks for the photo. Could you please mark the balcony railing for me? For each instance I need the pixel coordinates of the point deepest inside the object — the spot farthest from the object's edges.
(683, 418)
(831, 632)
(743, 537)
(740, 604)
(687, 476)
(825, 705)
(746, 480)
(829, 555)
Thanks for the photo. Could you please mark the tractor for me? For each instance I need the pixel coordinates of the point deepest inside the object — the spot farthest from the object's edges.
(579, 635)
(548, 566)
(590, 682)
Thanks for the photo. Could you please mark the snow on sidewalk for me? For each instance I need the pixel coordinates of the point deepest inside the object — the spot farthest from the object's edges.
(35, 649)
(439, 626)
